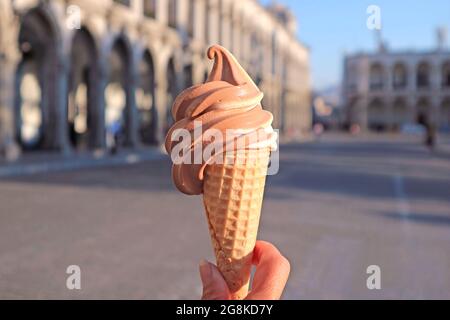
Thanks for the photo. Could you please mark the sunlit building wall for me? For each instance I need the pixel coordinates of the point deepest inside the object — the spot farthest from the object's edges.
(72, 71)
(386, 90)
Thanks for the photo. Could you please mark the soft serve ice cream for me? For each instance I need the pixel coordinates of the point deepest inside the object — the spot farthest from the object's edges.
(228, 100)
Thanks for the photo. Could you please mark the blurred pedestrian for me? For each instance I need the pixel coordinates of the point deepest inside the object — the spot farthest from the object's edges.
(430, 139)
(430, 131)
(113, 136)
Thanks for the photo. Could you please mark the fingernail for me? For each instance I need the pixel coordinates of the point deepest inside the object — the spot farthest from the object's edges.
(205, 271)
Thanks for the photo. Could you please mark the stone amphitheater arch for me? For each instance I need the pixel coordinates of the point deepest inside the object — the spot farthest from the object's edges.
(84, 114)
(119, 95)
(39, 80)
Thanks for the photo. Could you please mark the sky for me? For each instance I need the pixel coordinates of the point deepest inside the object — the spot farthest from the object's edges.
(331, 28)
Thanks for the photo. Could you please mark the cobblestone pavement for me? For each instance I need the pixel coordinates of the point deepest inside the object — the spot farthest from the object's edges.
(337, 206)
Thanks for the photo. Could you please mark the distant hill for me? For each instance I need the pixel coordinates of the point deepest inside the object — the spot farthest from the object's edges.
(331, 95)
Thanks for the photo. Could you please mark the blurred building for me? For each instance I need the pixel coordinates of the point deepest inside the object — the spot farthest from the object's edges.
(72, 71)
(387, 89)
(327, 107)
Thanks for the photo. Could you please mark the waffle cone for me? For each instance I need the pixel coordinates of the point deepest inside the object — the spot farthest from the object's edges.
(232, 195)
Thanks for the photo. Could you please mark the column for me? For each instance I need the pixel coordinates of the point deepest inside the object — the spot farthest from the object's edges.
(8, 144)
(213, 22)
(99, 116)
(199, 20)
(183, 14)
(61, 139)
(388, 78)
(436, 74)
(244, 43)
(162, 11)
(237, 34)
(9, 59)
(388, 88)
(132, 112)
(137, 6)
(161, 86)
(412, 70)
(411, 106)
(225, 24)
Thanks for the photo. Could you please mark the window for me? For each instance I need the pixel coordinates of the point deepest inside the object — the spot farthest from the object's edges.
(376, 77)
(191, 17)
(150, 8)
(400, 78)
(172, 13)
(423, 76)
(124, 2)
(206, 26)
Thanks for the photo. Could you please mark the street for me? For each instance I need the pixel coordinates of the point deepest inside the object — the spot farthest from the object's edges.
(337, 206)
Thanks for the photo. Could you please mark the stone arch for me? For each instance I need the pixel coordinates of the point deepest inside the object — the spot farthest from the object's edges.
(399, 111)
(145, 100)
(444, 113)
(399, 75)
(188, 76)
(446, 74)
(423, 75)
(376, 76)
(82, 107)
(376, 114)
(37, 94)
(118, 91)
(423, 110)
(206, 23)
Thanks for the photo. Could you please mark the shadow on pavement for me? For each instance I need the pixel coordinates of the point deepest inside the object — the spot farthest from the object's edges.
(145, 176)
(426, 218)
(356, 168)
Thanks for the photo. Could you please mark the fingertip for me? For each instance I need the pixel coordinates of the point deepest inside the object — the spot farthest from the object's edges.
(285, 264)
(272, 272)
(266, 249)
(214, 285)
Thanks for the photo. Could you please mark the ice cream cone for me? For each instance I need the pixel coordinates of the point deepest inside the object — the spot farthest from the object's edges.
(232, 195)
(228, 101)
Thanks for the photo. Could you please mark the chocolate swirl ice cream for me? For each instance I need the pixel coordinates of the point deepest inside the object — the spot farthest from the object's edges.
(229, 99)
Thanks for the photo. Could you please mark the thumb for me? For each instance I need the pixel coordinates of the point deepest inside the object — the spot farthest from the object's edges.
(214, 285)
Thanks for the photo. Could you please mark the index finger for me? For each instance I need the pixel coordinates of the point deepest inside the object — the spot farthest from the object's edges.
(272, 272)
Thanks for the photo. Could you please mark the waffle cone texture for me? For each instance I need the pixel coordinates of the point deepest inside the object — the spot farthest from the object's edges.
(232, 195)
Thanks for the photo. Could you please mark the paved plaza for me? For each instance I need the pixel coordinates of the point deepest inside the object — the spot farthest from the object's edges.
(336, 206)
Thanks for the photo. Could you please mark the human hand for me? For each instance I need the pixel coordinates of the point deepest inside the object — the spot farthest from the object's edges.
(272, 271)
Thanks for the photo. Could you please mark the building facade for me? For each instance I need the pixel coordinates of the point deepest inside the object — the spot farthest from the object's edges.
(385, 90)
(73, 72)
